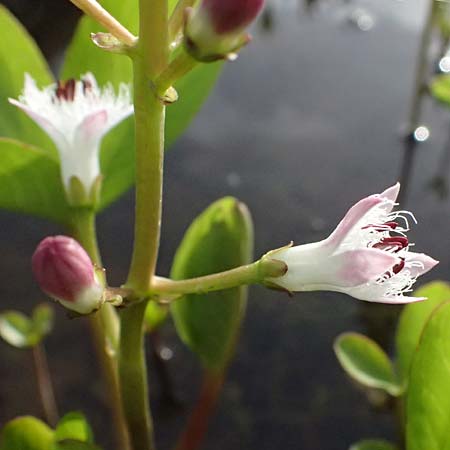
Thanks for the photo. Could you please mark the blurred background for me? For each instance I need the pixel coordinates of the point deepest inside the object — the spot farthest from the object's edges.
(307, 121)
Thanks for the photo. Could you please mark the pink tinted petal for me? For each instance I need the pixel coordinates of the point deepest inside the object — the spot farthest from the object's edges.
(419, 263)
(362, 266)
(92, 128)
(391, 193)
(57, 137)
(353, 216)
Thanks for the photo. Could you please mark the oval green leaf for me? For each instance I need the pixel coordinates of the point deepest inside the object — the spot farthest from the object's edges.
(73, 426)
(428, 395)
(440, 89)
(26, 433)
(42, 319)
(19, 54)
(373, 444)
(366, 362)
(219, 239)
(30, 182)
(412, 321)
(17, 329)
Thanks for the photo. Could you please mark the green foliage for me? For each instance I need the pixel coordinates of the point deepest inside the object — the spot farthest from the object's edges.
(440, 89)
(26, 433)
(19, 54)
(73, 426)
(155, 316)
(30, 181)
(219, 239)
(413, 320)
(22, 332)
(373, 444)
(428, 395)
(366, 362)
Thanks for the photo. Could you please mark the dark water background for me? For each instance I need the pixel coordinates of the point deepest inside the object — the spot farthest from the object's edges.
(304, 124)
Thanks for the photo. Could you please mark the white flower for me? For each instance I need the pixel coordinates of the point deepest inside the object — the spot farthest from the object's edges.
(367, 256)
(76, 115)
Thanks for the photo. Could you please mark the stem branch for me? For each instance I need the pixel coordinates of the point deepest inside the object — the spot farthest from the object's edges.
(98, 13)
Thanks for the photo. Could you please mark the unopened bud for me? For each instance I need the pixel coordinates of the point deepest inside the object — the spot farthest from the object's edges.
(65, 272)
(216, 28)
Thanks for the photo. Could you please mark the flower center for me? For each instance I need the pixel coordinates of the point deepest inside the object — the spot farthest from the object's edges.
(65, 90)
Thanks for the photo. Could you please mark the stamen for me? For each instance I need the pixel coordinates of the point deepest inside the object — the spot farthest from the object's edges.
(66, 90)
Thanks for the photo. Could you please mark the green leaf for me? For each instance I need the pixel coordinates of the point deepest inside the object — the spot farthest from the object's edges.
(428, 395)
(155, 316)
(19, 54)
(117, 154)
(26, 433)
(373, 444)
(440, 89)
(73, 426)
(17, 329)
(22, 332)
(219, 239)
(30, 182)
(42, 319)
(413, 320)
(366, 362)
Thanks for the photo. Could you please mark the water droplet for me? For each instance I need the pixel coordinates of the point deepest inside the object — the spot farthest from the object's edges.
(421, 134)
(166, 354)
(362, 19)
(444, 64)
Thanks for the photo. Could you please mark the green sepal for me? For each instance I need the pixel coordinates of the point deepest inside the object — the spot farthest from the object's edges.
(428, 394)
(412, 321)
(221, 238)
(26, 433)
(21, 331)
(366, 362)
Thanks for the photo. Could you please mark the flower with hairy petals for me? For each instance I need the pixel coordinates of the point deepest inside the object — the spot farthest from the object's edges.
(76, 115)
(367, 256)
(65, 272)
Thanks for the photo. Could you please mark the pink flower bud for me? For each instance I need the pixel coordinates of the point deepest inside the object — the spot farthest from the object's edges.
(65, 272)
(216, 28)
(231, 15)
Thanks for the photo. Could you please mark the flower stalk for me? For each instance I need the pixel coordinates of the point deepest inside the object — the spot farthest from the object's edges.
(93, 9)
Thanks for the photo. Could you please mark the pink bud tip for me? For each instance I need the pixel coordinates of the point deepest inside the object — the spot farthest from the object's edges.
(229, 16)
(62, 268)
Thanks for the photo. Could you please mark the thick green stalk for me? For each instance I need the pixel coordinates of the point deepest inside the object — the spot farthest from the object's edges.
(133, 378)
(150, 58)
(104, 324)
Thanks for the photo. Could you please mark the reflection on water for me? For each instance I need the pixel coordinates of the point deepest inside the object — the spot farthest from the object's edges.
(304, 124)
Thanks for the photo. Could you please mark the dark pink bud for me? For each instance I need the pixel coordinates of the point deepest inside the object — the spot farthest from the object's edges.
(229, 16)
(65, 272)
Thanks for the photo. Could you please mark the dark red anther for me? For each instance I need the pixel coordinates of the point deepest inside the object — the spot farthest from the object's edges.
(392, 225)
(398, 267)
(87, 85)
(382, 227)
(399, 242)
(66, 90)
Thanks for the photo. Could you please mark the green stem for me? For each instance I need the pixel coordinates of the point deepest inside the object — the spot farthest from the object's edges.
(133, 376)
(104, 324)
(180, 66)
(421, 69)
(176, 21)
(150, 59)
(239, 276)
(45, 386)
